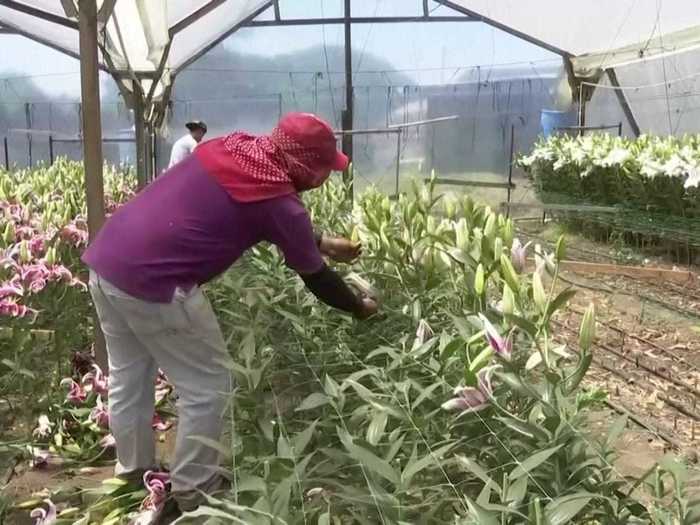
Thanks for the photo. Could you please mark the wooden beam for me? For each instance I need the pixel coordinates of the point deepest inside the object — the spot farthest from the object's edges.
(92, 137)
(622, 99)
(40, 13)
(635, 272)
(511, 31)
(194, 16)
(477, 183)
(347, 115)
(205, 49)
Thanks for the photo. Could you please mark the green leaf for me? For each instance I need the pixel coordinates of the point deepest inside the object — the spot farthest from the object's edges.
(212, 443)
(281, 497)
(251, 484)
(560, 300)
(301, 440)
(526, 429)
(564, 509)
(533, 361)
(331, 386)
(472, 466)
(368, 459)
(324, 519)
(284, 448)
(312, 401)
(481, 360)
(482, 516)
(533, 462)
(414, 466)
(517, 490)
(525, 325)
(376, 427)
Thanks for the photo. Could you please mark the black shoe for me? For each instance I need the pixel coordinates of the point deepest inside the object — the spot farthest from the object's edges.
(168, 514)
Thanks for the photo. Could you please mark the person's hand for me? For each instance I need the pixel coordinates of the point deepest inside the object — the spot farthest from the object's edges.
(368, 308)
(340, 250)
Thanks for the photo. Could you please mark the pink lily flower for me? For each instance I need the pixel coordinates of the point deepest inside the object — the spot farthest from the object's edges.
(108, 441)
(163, 387)
(99, 415)
(518, 255)
(157, 484)
(43, 428)
(469, 399)
(96, 381)
(74, 235)
(10, 308)
(9, 289)
(33, 272)
(37, 285)
(24, 233)
(37, 245)
(502, 347)
(44, 516)
(161, 425)
(76, 394)
(59, 273)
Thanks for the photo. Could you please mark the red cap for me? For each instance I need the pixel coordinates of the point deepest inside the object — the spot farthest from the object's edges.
(314, 133)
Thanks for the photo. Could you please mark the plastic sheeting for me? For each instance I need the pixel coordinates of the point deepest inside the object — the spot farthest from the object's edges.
(664, 96)
(138, 31)
(603, 32)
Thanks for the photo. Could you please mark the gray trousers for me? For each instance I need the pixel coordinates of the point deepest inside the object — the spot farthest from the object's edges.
(183, 338)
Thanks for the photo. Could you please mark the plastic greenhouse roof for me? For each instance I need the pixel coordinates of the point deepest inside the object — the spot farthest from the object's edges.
(599, 33)
(138, 31)
(595, 33)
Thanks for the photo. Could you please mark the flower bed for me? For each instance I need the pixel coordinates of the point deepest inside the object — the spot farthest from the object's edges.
(654, 181)
(454, 405)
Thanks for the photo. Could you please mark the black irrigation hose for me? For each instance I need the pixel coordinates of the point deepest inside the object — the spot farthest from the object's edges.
(662, 397)
(643, 340)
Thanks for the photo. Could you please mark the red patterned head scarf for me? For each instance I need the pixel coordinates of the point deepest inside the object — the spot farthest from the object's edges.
(298, 155)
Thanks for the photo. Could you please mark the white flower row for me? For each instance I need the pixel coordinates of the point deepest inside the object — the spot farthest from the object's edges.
(646, 155)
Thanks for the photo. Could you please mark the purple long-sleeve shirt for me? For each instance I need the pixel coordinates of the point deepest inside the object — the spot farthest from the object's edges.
(184, 229)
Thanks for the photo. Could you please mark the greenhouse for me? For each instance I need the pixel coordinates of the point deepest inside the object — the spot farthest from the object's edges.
(334, 262)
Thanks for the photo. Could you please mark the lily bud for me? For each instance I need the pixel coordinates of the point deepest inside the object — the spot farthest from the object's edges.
(9, 235)
(508, 301)
(508, 273)
(587, 331)
(538, 293)
(560, 249)
(479, 280)
(24, 254)
(490, 226)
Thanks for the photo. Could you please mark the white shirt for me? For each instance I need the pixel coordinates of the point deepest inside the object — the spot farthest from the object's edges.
(182, 148)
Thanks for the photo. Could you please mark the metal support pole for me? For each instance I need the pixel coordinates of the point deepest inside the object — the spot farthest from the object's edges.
(140, 128)
(7, 155)
(348, 119)
(51, 149)
(398, 162)
(624, 103)
(30, 139)
(92, 137)
(510, 167)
